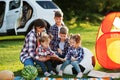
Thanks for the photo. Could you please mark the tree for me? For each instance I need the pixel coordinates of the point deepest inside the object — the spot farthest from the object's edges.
(81, 9)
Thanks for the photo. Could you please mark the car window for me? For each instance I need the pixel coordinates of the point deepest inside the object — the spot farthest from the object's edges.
(2, 12)
(14, 5)
(47, 4)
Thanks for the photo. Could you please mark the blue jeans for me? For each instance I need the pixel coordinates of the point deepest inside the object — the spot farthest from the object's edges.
(75, 64)
(44, 64)
(28, 61)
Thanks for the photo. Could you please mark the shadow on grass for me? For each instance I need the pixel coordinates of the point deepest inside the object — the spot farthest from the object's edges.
(11, 38)
(17, 73)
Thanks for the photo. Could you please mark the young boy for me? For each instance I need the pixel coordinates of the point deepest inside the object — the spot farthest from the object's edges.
(61, 45)
(54, 30)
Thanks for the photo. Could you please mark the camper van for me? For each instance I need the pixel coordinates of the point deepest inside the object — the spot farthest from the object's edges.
(16, 16)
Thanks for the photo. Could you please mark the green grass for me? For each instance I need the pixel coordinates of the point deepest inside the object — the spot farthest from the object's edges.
(9, 54)
(10, 46)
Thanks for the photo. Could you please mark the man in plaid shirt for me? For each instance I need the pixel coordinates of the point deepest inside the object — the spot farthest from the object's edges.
(28, 52)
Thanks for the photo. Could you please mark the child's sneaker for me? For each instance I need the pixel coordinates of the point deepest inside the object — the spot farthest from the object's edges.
(60, 73)
(52, 72)
(47, 74)
(80, 74)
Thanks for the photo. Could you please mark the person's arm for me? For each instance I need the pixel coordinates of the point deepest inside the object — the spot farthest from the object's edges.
(80, 55)
(31, 44)
(66, 47)
(69, 53)
(39, 56)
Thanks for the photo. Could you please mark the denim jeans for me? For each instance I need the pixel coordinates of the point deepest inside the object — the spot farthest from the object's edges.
(45, 64)
(75, 64)
(28, 61)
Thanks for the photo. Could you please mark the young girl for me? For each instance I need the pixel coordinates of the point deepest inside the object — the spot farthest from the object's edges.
(74, 56)
(44, 50)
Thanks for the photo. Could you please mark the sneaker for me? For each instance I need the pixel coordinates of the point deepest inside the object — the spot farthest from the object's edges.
(60, 73)
(52, 72)
(80, 74)
(47, 74)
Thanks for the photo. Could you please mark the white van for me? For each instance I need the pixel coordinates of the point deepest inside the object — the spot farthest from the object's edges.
(17, 15)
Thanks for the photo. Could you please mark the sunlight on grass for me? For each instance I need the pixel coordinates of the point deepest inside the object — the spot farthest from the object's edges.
(85, 25)
(15, 66)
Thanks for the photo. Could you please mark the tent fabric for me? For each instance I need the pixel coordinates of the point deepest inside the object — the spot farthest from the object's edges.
(107, 23)
(108, 43)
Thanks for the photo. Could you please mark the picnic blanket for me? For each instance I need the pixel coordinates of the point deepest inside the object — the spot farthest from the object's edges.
(107, 78)
(94, 73)
(48, 78)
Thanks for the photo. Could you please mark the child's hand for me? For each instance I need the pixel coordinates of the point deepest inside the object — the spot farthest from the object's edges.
(59, 51)
(73, 59)
(64, 59)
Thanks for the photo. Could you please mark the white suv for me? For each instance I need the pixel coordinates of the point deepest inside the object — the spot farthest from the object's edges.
(16, 16)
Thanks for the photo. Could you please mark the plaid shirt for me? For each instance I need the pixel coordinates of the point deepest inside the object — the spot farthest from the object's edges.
(76, 53)
(43, 52)
(54, 32)
(56, 46)
(29, 48)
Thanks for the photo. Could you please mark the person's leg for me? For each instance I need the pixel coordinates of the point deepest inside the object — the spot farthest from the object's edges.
(49, 65)
(42, 65)
(75, 64)
(63, 67)
(50, 68)
(65, 64)
(28, 62)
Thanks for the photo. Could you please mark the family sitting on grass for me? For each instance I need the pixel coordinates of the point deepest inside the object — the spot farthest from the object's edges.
(43, 49)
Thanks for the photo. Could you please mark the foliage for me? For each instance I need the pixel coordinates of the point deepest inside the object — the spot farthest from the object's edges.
(85, 9)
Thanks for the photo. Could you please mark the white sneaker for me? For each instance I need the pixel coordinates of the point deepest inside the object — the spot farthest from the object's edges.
(47, 74)
(60, 73)
(80, 74)
(52, 72)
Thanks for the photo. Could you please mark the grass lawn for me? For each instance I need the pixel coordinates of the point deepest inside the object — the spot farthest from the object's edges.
(10, 46)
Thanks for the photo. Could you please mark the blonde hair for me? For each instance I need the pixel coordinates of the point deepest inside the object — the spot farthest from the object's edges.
(44, 37)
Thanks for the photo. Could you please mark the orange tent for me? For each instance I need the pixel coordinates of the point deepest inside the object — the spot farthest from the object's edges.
(108, 42)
